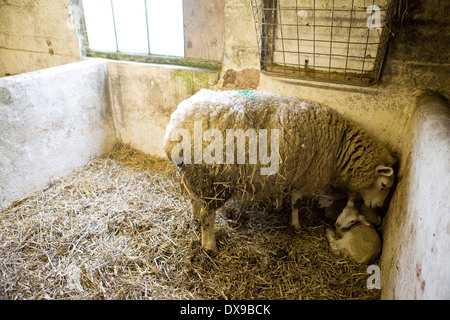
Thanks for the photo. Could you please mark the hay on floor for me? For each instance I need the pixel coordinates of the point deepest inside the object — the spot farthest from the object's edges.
(119, 228)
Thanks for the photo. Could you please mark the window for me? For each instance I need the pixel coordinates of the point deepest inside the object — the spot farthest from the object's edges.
(324, 40)
(152, 31)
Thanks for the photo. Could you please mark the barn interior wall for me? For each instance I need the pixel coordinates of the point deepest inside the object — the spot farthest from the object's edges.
(141, 97)
(51, 121)
(416, 234)
(35, 35)
(144, 96)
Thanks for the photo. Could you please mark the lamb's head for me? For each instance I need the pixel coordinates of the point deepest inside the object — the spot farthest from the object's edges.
(349, 216)
(375, 194)
(325, 201)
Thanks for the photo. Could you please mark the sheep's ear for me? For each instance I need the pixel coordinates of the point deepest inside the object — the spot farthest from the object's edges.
(363, 220)
(351, 202)
(384, 171)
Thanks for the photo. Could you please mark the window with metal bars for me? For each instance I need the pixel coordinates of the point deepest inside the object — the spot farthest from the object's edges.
(340, 41)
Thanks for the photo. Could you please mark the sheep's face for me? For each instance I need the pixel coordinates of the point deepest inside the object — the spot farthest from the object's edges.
(375, 194)
(350, 216)
(325, 201)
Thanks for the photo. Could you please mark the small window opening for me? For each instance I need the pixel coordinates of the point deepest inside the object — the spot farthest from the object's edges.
(135, 26)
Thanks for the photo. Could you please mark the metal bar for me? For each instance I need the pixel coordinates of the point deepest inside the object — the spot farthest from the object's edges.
(324, 68)
(320, 26)
(331, 40)
(314, 38)
(324, 41)
(333, 55)
(298, 37)
(365, 49)
(381, 52)
(281, 31)
(258, 30)
(293, 8)
(146, 23)
(268, 32)
(349, 35)
(114, 23)
(82, 28)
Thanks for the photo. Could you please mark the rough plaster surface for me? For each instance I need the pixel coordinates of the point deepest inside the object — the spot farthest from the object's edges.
(35, 35)
(51, 121)
(240, 50)
(143, 97)
(247, 79)
(416, 252)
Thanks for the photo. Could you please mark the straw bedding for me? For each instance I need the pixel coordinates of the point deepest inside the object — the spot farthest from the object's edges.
(119, 228)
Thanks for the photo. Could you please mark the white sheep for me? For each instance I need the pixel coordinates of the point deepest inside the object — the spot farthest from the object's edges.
(355, 237)
(316, 147)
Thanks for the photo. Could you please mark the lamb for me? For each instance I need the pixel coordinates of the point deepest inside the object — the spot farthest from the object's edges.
(329, 196)
(355, 237)
(333, 201)
(371, 216)
(311, 146)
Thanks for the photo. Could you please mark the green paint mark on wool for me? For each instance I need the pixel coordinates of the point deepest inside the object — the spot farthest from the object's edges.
(247, 93)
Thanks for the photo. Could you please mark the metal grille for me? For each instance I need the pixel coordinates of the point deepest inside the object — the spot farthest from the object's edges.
(340, 41)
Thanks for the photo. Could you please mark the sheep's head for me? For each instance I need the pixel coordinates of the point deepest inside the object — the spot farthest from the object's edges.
(349, 216)
(376, 193)
(325, 201)
(365, 166)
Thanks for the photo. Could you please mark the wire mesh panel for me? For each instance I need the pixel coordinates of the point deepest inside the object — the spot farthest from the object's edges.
(327, 40)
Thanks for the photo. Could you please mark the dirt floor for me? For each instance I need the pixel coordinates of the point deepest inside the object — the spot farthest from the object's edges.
(119, 228)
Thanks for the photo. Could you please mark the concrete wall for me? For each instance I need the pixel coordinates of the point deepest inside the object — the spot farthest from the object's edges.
(143, 97)
(51, 121)
(35, 35)
(416, 252)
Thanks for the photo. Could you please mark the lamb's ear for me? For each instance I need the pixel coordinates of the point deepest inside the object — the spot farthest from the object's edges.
(351, 202)
(384, 171)
(363, 220)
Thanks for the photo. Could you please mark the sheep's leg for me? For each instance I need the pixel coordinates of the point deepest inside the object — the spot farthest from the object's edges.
(196, 208)
(295, 222)
(331, 235)
(335, 244)
(279, 202)
(208, 236)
